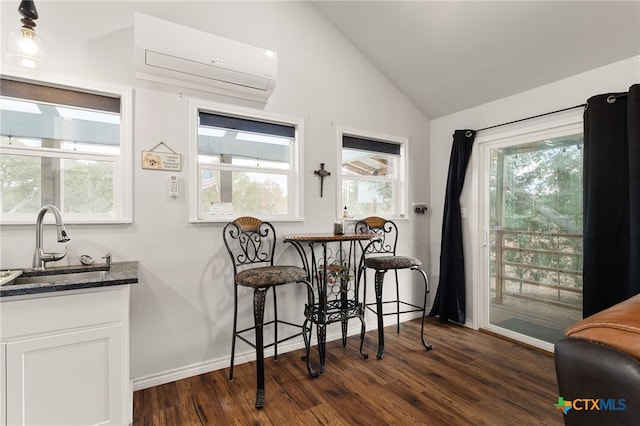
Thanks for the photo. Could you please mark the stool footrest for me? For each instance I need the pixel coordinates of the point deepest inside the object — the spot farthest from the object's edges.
(268, 345)
(416, 308)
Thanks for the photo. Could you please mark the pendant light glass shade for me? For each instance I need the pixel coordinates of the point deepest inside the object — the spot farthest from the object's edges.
(24, 47)
(27, 49)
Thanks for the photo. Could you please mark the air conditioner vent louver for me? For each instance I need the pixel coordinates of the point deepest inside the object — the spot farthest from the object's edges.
(174, 54)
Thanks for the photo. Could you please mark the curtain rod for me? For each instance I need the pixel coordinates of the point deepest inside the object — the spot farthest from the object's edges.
(611, 99)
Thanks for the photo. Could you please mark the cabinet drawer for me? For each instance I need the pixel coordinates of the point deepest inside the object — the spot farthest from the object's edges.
(60, 311)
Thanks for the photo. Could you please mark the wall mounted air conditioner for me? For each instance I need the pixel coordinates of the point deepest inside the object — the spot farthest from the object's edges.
(173, 54)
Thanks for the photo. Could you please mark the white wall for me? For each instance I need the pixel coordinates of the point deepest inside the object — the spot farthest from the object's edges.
(181, 309)
(561, 94)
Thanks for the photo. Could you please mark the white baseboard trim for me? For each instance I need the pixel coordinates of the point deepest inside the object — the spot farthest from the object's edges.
(203, 367)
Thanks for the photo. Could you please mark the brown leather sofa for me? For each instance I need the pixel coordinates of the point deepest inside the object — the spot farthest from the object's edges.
(598, 368)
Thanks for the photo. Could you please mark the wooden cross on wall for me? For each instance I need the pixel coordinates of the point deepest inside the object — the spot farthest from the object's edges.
(323, 174)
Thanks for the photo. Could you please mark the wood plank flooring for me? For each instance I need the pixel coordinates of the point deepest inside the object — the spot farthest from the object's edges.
(469, 378)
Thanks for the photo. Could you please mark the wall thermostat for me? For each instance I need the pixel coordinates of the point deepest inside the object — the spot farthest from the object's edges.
(173, 186)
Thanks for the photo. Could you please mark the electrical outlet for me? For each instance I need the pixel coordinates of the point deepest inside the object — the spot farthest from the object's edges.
(420, 208)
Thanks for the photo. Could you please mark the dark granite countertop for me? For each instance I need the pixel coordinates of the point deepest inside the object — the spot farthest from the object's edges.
(119, 273)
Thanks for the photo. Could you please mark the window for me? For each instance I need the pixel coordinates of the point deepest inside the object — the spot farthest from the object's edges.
(247, 164)
(373, 174)
(66, 147)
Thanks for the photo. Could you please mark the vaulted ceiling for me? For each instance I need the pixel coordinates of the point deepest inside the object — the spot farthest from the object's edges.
(447, 56)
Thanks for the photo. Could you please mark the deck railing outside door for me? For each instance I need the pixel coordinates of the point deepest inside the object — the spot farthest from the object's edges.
(537, 266)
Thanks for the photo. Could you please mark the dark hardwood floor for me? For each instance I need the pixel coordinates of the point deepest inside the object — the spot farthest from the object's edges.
(469, 378)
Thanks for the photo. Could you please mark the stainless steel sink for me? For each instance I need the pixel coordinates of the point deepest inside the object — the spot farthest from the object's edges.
(55, 278)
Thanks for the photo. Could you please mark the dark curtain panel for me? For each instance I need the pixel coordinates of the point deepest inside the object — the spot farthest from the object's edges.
(611, 199)
(449, 303)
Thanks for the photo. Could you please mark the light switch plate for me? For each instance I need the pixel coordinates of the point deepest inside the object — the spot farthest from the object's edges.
(420, 208)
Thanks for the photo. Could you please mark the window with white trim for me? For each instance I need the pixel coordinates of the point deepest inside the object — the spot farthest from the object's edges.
(63, 146)
(247, 164)
(373, 174)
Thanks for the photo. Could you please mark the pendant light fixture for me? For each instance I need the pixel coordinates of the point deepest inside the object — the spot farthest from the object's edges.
(25, 48)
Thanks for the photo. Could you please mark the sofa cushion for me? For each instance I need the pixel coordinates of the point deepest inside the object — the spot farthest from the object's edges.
(617, 326)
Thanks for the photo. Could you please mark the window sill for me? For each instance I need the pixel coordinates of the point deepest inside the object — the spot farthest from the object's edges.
(31, 221)
(227, 219)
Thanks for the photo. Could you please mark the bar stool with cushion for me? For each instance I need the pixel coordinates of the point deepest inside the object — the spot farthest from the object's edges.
(380, 255)
(251, 244)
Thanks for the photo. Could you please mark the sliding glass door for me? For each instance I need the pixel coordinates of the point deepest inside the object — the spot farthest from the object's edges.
(532, 220)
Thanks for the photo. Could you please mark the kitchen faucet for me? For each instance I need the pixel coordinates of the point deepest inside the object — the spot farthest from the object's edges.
(39, 256)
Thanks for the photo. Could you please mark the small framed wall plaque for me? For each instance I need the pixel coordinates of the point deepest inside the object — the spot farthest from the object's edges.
(155, 159)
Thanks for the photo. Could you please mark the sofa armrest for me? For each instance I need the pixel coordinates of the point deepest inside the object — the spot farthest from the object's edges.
(617, 327)
(588, 370)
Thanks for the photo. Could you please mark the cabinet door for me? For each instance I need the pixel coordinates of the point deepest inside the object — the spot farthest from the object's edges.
(66, 379)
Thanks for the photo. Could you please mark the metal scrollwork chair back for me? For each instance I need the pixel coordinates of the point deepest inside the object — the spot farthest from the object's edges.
(380, 255)
(386, 231)
(251, 244)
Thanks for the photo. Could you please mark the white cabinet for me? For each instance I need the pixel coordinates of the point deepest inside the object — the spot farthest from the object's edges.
(65, 379)
(66, 358)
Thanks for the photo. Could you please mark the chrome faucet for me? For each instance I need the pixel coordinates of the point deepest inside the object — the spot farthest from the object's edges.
(39, 256)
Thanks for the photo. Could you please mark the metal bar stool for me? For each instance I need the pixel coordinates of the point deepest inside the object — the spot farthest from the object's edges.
(380, 255)
(251, 244)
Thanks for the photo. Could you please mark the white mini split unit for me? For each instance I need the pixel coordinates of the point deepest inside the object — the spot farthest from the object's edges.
(173, 54)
